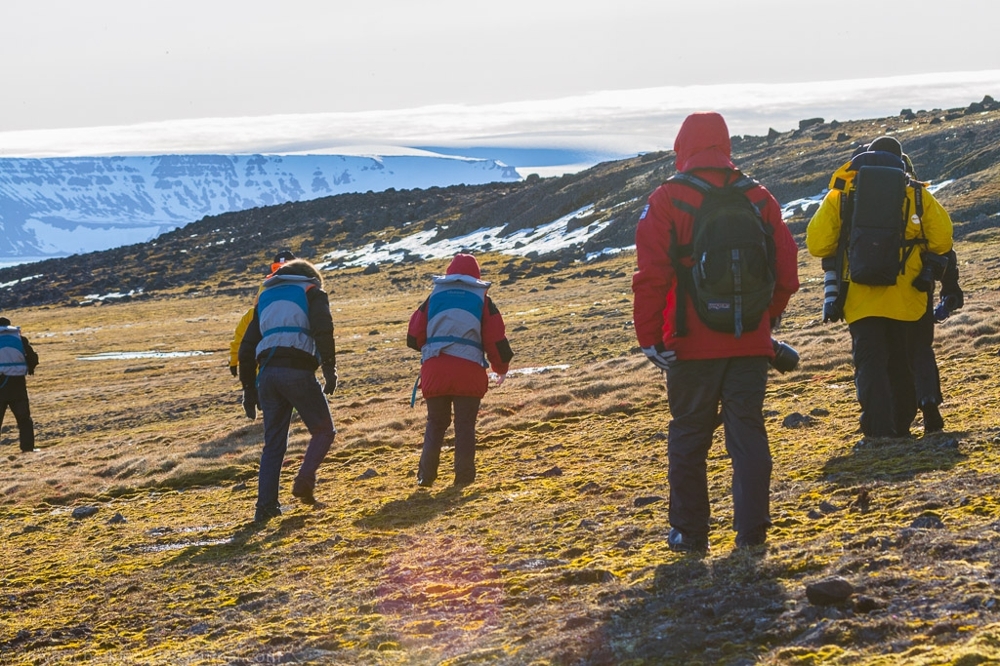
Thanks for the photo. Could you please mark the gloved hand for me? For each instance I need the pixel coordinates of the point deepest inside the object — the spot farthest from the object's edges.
(234, 370)
(953, 295)
(330, 377)
(250, 402)
(659, 356)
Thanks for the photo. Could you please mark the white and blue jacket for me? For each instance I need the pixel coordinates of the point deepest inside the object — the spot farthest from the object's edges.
(283, 312)
(454, 318)
(13, 361)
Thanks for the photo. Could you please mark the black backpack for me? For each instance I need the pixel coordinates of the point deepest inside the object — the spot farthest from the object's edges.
(731, 281)
(878, 211)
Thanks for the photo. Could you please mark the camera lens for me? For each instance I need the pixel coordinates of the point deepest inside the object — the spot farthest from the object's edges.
(786, 358)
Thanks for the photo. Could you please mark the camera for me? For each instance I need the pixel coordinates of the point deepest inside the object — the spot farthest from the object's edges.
(832, 311)
(933, 269)
(785, 358)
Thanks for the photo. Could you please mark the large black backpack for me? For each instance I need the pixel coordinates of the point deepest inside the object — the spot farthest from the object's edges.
(731, 281)
(878, 211)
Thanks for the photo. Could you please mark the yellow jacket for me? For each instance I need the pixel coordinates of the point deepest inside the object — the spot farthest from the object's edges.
(900, 301)
(234, 345)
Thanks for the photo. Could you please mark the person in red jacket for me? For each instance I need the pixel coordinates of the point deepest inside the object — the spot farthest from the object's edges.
(711, 376)
(455, 330)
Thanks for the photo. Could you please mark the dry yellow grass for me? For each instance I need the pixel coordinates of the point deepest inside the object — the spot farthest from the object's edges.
(547, 559)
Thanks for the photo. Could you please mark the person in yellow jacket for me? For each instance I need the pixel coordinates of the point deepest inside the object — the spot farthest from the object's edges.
(883, 319)
(241, 327)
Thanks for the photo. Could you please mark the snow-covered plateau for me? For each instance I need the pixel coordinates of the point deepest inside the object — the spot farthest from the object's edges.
(63, 206)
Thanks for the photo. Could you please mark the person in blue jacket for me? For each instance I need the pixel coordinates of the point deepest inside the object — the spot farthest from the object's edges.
(289, 337)
(17, 359)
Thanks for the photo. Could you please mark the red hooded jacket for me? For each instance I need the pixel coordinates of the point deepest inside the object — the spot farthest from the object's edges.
(702, 146)
(450, 375)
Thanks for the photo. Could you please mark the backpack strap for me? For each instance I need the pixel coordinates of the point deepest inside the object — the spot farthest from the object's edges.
(910, 245)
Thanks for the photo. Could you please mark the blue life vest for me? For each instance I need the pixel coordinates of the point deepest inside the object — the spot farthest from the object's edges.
(12, 358)
(455, 318)
(283, 313)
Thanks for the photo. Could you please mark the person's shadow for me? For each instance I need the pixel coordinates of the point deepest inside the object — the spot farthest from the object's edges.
(895, 459)
(419, 507)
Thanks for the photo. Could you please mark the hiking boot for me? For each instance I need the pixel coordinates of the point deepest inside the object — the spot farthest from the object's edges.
(684, 543)
(752, 539)
(932, 419)
(303, 490)
(264, 515)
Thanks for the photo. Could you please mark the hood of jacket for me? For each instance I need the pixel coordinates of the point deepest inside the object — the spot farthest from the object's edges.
(288, 278)
(703, 143)
(464, 264)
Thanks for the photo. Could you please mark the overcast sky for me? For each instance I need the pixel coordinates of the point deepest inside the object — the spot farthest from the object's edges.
(98, 63)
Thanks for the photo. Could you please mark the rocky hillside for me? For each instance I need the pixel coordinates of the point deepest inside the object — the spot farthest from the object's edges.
(226, 252)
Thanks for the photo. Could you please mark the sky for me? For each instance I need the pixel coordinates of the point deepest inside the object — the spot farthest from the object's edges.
(136, 77)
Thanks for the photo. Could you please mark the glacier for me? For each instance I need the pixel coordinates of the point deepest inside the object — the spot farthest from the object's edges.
(68, 205)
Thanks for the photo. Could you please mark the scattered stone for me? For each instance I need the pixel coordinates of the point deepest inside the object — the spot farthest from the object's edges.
(809, 122)
(82, 512)
(814, 514)
(374, 331)
(928, 522)
(30, 529)
(242, 485)
(367, 474)
(587, 577)
(827, 507)
(551, 472)
(370, 269)
(865, 604)
(117, 519)
(828, 591)
(590, 487)
(796, 420)
(819, 411)
(646, 500)
(658, 437)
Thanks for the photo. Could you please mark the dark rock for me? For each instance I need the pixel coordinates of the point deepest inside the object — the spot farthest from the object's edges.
(81, 512)
(587, 577)
(647, 500)
(827, 507)
(552, 471)
(843, 136)
(117, 519)
(865, 604)
(367, 474)
(833, 590)
(928, 522)
(796, 420)
(819, 411)
(370, 269)
(810, 122)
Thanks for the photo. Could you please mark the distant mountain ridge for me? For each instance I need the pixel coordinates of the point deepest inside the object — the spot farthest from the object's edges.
(541, 222)
(59, 206)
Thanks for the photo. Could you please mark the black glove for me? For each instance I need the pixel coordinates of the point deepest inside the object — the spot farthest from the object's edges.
(250, 402)
(953, 295)
(330, 377)
(234, 370)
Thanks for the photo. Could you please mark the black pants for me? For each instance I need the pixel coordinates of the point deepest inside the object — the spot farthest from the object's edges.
(22, 414)
(438, 420)
(699, 393)
(926, 378)
(883, 351)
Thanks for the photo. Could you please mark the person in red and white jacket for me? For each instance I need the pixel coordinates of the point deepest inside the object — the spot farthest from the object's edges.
(456, 329)
(710, 374)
